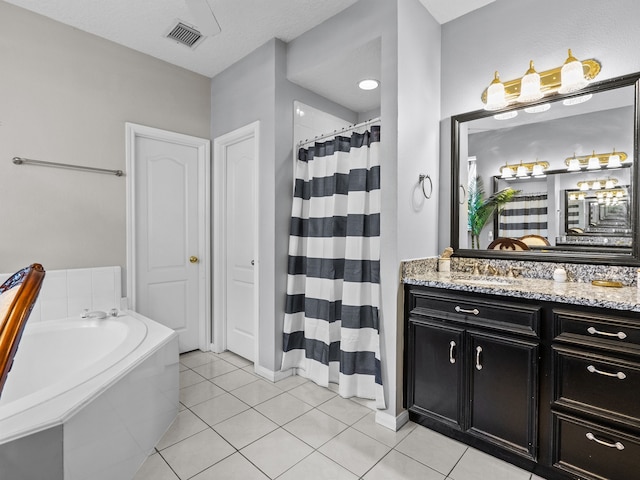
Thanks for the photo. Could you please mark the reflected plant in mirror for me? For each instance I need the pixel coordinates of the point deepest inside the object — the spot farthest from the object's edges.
(571, 168)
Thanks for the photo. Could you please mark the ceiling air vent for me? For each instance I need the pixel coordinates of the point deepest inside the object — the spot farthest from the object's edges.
(185, 34)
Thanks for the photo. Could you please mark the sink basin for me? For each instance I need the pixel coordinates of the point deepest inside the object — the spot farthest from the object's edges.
(489, 282)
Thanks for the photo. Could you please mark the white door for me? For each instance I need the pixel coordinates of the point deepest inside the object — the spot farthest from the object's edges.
(236, 288)
(169, 232)
(240, 261)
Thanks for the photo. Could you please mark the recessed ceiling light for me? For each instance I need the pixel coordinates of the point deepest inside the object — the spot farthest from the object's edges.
(368, 84)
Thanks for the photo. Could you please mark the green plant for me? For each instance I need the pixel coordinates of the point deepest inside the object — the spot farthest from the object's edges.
(480, 210)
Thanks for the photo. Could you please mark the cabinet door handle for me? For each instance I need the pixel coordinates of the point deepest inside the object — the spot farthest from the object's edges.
(620, 375)
(593, 438)
(620, 335)
(475, 311)
(478, 352)
(452, 358)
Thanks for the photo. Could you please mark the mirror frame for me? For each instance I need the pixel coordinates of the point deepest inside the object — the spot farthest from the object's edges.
(554, 257)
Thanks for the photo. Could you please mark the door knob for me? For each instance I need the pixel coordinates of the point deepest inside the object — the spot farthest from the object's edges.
(193, 259)
(253, 262)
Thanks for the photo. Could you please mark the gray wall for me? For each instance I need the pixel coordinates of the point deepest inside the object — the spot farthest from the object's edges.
(506, 34)
(65, 97)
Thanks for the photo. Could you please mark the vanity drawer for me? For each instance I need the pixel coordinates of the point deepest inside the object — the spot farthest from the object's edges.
(596, 383)
(592, 451)
(471, 310)
(603, 330)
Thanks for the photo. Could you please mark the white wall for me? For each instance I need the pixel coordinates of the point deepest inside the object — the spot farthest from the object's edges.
(506, 34)
(65, 96)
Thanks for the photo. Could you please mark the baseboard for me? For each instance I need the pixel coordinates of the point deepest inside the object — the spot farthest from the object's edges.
(391, 422)
(271, 375)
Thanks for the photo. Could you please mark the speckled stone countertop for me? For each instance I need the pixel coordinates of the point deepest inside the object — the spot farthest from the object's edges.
(575, 293)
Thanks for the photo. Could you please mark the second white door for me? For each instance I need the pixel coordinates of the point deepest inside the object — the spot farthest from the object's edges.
(240, 219)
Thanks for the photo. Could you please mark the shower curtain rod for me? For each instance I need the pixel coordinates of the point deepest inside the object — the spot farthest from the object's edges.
(29, 161)
(338, 132)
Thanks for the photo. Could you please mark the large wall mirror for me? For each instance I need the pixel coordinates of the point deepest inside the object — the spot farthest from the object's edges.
(568, 166)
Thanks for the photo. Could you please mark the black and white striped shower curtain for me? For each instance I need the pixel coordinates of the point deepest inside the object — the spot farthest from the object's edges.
(331, 323)
(524, 215)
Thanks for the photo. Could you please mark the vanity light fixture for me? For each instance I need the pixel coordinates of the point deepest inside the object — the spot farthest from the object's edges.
(368, 84)
(607, 184)
(523, 170)
(614, 160)
(534, 85)
(594, 161)
(530, 87)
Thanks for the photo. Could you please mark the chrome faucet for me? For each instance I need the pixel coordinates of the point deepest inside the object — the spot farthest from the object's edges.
(95, 314)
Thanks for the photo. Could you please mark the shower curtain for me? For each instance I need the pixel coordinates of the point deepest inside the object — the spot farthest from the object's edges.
(331, 322)
(524, 215)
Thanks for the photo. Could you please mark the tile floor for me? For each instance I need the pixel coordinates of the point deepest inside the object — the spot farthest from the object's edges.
(234, 425)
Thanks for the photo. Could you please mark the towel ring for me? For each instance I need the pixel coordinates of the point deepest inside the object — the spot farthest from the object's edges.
(421, 180)
(464, 195)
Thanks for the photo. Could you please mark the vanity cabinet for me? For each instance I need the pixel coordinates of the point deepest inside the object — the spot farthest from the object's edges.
(549, 387)
(473, 366)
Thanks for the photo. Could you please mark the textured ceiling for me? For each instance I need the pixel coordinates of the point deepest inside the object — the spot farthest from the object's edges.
(246, 24)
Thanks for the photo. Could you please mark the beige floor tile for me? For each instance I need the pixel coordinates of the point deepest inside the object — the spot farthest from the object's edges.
(235, 467)
(344, 410)
(291, 382)
(185, 425)
(397, 466)
(317, 467)
(199, 393)
(215, 369)
(312, 394)
(197, 453)
(245, 428)
(234, 359)
(283, 408)
(315, 428)
(354, 451)
(155, 468)
(475, 464)
(189, 377)
(432, 449)
(236, 379)
(277, 452)
(219, 409)
(368, 426)
(196, 358)
(257, 392)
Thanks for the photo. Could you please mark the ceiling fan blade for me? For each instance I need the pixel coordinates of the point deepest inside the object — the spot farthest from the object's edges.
(203, 17)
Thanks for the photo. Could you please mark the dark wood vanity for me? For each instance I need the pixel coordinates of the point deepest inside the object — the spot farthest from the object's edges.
(550, 387)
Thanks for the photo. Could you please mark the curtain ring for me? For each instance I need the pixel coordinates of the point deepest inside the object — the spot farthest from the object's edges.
(464, 195)
(421, 180)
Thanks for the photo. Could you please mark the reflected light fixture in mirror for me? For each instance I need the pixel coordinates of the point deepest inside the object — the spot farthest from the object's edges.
(614, 160)
(538, 108)
(594, 162)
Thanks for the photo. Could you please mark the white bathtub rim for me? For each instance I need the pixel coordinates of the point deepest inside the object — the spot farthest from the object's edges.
(62, 407)
(138, 333)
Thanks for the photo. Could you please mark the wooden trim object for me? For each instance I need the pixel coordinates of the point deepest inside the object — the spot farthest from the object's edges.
(28, 282)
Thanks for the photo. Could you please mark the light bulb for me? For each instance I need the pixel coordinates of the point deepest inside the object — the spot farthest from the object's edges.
(530, 86)
(594, 162)
(495, 94)
(572, 75)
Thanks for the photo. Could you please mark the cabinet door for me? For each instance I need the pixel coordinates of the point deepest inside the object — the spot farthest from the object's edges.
(503, 391)
(435, 371)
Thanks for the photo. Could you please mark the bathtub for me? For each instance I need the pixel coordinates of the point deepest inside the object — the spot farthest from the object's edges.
(87, 398)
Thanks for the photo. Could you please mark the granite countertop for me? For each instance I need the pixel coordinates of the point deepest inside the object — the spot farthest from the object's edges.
(575, 293)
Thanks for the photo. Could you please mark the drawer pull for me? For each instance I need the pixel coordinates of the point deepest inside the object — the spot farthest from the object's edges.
(478, 352)
(620, 335)
(593, 438)
(475, 311)
(452, 345)
(619, 375)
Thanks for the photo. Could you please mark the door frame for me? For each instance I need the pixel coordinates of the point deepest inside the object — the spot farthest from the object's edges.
(220, 145)
(134, 131)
